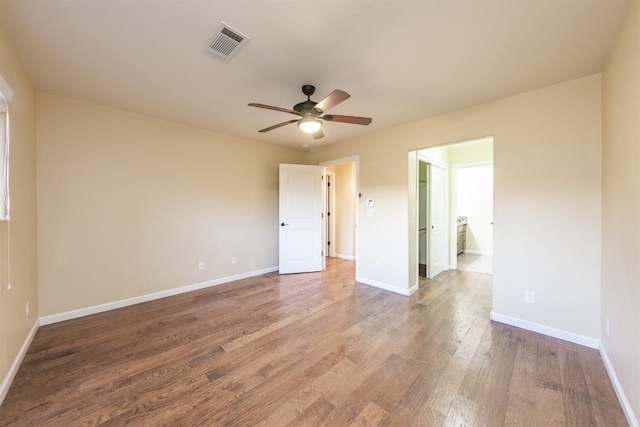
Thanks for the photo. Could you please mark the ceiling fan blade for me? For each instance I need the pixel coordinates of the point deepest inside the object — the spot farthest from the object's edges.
(318, 134)
(278, 125)
(333, 99)
(271, 107)
(347, 119)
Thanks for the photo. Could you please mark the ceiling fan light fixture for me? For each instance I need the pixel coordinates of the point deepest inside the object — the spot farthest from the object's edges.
(309, 125)
(310, 113)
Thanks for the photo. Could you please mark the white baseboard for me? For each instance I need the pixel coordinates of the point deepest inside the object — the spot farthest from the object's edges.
(622, 397)
(73, 314)
(8, 379)
(471, 251)
(546, 330)
(347, 257)
(387, 287)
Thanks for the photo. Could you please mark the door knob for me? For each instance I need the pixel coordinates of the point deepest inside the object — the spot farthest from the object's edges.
(282, 224)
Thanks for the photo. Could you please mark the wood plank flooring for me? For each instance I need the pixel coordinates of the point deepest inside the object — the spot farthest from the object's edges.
(309, 350)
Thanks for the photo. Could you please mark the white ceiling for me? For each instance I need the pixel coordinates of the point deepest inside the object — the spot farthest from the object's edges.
(401, 60)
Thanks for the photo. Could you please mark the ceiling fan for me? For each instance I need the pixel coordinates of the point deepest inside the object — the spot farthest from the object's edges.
(311, 112)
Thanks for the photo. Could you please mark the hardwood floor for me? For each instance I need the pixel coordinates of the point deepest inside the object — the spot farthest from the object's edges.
(306, 350)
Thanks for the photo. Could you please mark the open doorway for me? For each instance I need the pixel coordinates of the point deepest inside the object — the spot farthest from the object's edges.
(473, 192)
(458, 240)
(341, 208)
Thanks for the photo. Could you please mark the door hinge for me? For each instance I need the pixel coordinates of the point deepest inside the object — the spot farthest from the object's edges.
(328, 243)
(321, 215)
(328, 184)
(328, 213)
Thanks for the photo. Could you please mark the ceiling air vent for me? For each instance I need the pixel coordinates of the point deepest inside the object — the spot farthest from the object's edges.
(225, 43)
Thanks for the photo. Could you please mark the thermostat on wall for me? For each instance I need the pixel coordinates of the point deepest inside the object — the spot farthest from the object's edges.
(371, 203)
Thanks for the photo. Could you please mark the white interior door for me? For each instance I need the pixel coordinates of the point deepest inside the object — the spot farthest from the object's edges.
(300, 236)
(436, 251)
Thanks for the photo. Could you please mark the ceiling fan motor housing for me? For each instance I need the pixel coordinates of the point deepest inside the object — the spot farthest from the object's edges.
(306, 108)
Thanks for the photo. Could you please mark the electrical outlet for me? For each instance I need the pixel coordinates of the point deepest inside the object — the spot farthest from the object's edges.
(606, 322)
(201, 265)
(26, 309)
(530, 297)
(233, 260)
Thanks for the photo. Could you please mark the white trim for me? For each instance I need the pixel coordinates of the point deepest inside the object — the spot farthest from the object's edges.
(8, 379)
(73, 314)
(347, 257)
(471, 251)
(622, 397)
(546, 330)
(387, 287)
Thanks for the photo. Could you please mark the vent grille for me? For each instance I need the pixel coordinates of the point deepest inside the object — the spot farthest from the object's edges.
(225, 43)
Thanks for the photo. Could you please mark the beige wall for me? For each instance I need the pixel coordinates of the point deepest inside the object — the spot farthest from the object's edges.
(547, 193)
(14, 324)
(128, 205)
(621, 209)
